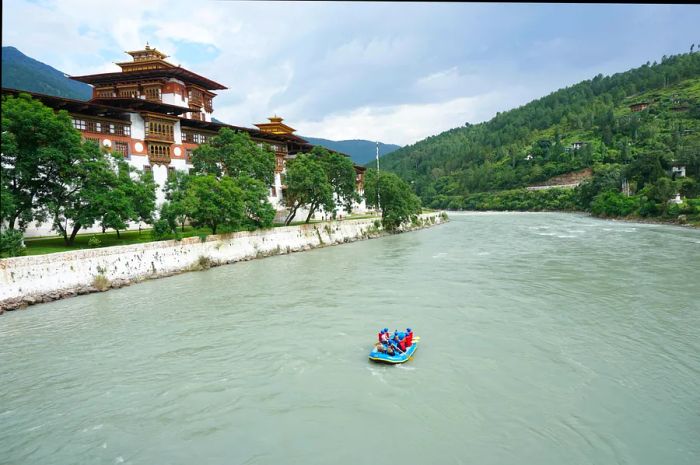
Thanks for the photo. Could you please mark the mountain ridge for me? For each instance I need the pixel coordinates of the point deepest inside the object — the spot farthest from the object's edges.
(596, 122)
(360, 150)
(20, 71)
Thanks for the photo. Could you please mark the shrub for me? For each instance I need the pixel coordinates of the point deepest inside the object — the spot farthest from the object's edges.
(161, 230)
(202, 263)
(100, 282)
(611, 203)
(94, 242)
(12, 243)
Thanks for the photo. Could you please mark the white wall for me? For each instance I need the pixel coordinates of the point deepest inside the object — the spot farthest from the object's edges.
(41, 274)
(138, 128)
(175, 99)
(160, 176)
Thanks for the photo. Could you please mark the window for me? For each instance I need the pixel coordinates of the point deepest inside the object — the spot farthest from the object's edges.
(119, 129)
(188, 156)
(129, 93)
(195, 97)
(93, 126)
(93, 139)
(147, 168)
(121, 147)
(79, 124)
(152, 93)
(105, 92)
(195, 137)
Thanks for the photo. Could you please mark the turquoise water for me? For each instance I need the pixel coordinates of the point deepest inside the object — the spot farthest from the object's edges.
(545, 339)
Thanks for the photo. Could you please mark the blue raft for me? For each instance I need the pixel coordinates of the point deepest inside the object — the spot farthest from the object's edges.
(398, 358)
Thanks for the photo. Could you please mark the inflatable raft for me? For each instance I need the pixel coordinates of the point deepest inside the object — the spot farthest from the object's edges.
(397, 358)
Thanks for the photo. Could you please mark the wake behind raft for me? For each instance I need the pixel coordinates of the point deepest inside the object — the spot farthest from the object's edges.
(395, 349)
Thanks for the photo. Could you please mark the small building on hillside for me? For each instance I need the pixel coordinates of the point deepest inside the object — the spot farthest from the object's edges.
(635, 107)
(678, 171)
(677, 199)
(577, 145)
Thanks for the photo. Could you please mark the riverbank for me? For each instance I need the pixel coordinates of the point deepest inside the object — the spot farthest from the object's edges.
(627, 219)
(37, 279)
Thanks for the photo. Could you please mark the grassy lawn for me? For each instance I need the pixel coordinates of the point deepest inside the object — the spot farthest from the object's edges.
(44, 245)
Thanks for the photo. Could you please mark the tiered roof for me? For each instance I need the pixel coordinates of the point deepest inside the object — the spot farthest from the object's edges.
(148, 64)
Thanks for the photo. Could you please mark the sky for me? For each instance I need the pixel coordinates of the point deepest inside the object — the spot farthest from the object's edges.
(393, 72)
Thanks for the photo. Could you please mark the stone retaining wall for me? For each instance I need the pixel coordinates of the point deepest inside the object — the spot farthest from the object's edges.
(42, 278)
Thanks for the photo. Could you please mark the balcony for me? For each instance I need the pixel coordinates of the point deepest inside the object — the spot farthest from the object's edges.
(159, 130)
(159, 154)
(195, 100)
(162, 159)
(159, 136)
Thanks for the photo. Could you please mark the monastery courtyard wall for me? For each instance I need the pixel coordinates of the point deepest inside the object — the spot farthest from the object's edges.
(43, 278)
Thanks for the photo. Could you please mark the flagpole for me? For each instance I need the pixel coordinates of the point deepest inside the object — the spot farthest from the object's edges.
(378, 209)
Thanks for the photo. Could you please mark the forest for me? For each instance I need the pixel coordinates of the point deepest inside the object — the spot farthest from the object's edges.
(638, 130)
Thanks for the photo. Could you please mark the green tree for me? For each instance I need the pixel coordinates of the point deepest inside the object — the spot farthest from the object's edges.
(307, 186)
(39, 149)
(611, 203)
(646, 168)
(394, 197)
(340, 172)
(259, 213)
(142, 192)
(606, 177)
(7, 203)
(661, 192)
(233, 153)
(80, 194)
(174, 209)
(214, 202)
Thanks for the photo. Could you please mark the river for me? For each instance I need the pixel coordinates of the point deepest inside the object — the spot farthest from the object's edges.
(546, 338)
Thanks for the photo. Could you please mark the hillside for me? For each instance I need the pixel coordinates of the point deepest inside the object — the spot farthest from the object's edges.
(22, 72)
(361, 151)
(593, 124)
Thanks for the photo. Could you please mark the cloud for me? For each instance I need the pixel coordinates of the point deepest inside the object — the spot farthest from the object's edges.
(391, 71)
(406, 123)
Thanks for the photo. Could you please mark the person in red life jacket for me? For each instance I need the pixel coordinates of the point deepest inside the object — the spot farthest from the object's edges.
(384, 337)
(383, 340)
(402, 343)
(409, 337)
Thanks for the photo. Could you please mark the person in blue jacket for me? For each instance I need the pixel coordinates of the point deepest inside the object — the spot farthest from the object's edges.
(396, 342)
